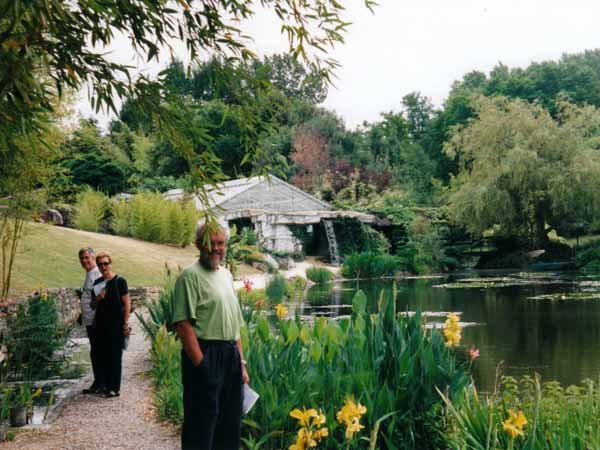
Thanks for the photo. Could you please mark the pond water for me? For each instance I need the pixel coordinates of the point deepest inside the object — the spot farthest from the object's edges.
(547, 323)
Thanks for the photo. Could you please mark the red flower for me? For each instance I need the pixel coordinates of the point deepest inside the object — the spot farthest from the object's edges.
(247, 285)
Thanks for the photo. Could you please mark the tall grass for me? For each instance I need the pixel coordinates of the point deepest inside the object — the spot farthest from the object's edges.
(276, 288)
(121, 218)
(90, 210)
(150, 217)
(319, 275)
(371, 265)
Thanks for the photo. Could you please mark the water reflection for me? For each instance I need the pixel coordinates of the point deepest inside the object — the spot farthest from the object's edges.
(542, 323)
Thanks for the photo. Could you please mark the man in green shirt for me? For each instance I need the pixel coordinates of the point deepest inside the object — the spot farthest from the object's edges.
(207, 317)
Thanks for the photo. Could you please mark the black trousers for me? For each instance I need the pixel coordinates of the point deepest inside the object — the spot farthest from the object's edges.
(212, 398)
(94, 354)
(110, 355)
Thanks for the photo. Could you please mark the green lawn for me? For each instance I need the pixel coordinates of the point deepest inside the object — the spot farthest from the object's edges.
(48, 255)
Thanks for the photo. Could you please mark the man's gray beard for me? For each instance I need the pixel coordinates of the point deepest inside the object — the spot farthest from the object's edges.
(210, 263)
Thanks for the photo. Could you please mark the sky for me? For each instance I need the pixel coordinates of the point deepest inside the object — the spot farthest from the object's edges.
(424, 45)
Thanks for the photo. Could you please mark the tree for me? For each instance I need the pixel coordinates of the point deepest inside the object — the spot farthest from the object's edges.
(523, 173)
(292, 78)
(311, 156)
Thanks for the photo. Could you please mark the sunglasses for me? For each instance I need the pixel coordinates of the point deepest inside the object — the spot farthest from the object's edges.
(103, 264)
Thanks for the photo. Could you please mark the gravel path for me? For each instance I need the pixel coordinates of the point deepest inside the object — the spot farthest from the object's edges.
(89, 422)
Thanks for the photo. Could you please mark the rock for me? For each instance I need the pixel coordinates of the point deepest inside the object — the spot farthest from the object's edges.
(285, 263)
(271, 262)
(54, 216)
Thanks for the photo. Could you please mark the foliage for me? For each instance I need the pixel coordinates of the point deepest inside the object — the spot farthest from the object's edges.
(34, 333)
(166, 375)
(319, 274)
(153, 218)
(91, 159)
(6, 404)
(391, 365)
(18, 209)
(160, 311)
(239, 249)
(588, 258)
(92, 207)
(552, 417)
(320, 365)
(295, 287)
(371, 265)
(524, 173)
(120, 221)
(354, 236)
(276, 288)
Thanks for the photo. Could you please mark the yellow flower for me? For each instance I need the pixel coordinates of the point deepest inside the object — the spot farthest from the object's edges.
(513, 426)
(281, 311)
(37, 393)
(309, 434)
(319, 419)
(452, 330)
(304, 415)
(350, 415)
(308, 438)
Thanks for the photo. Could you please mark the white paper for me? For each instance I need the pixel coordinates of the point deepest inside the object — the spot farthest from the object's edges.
(98, 287)
(250, 397)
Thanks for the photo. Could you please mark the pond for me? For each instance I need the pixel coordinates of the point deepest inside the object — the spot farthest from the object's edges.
(547, 323)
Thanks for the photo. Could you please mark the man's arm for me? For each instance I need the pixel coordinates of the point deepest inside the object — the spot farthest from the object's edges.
(188, 338)
(245, 375)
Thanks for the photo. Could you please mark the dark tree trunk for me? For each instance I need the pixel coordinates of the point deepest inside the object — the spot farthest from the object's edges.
(540, 238)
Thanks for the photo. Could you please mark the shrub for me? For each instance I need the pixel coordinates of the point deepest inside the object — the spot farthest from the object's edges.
(146, 217)
(276, 288)
(295, 287)
(249, 237)
(34, 334)
(371, 265)
(354, 236)
(91, 209)
(121, 218)
(319, 274)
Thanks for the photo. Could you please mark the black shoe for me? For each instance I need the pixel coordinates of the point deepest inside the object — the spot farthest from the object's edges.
(111, 394)
(91, 390)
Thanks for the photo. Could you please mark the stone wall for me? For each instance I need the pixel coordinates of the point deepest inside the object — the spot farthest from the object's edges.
(68, 303)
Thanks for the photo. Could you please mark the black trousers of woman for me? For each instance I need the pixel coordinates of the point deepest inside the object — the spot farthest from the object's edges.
(212, 398)
(110, 356)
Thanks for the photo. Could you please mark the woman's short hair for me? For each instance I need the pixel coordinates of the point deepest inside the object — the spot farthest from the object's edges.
(101, 255)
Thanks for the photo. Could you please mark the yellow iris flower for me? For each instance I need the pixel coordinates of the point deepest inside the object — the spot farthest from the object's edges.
(350, 415)
(309, 434)
(452, 330)
(281, 311)
(513, 426)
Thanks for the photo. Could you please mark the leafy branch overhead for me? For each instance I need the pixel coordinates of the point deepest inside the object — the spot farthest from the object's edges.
(47, 47)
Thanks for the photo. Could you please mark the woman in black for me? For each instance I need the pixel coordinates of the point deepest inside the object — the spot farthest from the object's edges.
(111, 300)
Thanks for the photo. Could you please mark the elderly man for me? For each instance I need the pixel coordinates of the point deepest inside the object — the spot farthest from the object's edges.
(87, 259)
(207, 317)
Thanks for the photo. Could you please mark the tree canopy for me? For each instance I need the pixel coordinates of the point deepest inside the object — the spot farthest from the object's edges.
(522, 172)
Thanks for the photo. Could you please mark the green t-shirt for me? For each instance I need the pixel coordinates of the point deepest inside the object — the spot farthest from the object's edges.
(207, 299)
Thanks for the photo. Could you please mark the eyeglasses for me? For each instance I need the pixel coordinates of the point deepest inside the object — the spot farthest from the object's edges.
(103, 264)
